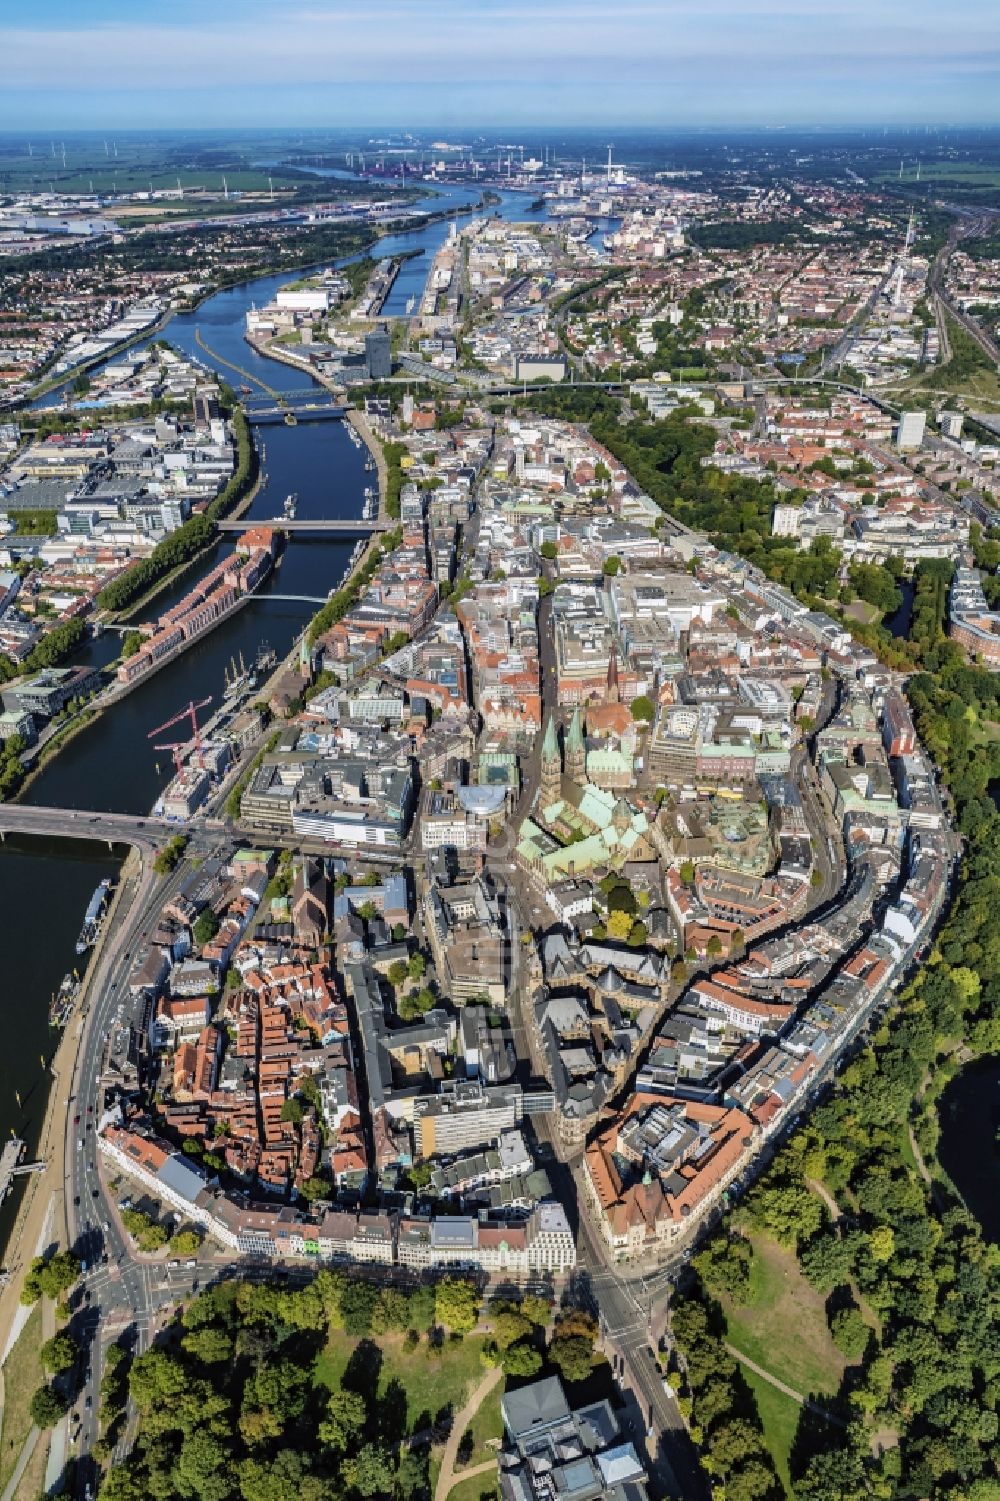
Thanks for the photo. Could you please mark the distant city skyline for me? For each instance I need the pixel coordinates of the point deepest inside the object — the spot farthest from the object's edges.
(506, 62)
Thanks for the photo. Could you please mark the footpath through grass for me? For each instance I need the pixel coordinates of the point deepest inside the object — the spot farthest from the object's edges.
(780, 1418)
(22, 1375)
(433, 1383)
(487, 1424)
(783, 1325)
(475, 1488)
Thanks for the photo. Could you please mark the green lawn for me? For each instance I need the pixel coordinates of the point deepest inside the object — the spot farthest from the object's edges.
(968, 174)
(905, 1150)
(780, 1417)
(969, 372)
(431, 1382)
(861, 610)
(22, 1375)
(476, 1488)
(783, 1327)
(487, 1424)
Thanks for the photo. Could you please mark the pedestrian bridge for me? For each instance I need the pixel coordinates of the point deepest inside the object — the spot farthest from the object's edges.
(300, 599)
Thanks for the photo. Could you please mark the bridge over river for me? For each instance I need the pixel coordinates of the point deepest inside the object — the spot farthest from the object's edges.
(303, 528)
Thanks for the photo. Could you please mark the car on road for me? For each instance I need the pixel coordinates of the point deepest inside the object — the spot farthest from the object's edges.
(76, 1120)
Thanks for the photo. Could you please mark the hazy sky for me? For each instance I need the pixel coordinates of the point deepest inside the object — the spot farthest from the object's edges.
(66, 63)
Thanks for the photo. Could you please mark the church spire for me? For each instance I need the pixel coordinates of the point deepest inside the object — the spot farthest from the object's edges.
(551, 760)
(550, 744)
(576, 751)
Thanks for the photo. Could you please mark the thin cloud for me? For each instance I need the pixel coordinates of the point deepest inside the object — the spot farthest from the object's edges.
(866, 54)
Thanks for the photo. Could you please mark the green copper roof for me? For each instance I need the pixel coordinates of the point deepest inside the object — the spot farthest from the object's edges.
(550, 745)
(574, 740)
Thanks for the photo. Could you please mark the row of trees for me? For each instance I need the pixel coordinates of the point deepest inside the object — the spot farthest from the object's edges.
(153, 1235)
(910, 1254)
(55, 645)
(339, 603)
(50, 1277)
(519, 1341)
(394, 454)
(170, 856)
(719, 1407)
(179, 548)
(232, 1405)
(926, 1369)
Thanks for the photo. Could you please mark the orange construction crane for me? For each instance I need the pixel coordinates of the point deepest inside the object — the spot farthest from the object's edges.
(190, 711)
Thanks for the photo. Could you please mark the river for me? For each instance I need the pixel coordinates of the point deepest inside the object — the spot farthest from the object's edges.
(45, 886)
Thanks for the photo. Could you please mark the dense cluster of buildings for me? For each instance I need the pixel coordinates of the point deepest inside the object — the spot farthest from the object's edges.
(218, 592)
(273, 1132)
(78, 508)
(618, 833)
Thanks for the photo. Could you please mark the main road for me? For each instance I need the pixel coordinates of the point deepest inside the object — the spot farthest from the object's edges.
(117, 1291)
(75, 823)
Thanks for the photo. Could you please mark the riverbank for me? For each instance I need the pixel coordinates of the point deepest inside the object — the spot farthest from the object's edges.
(105, 357)
(240, 508)
(377, 232)
(44, 1201)
(112, 766)
(52, 747)
(271, 351)
(374, 446)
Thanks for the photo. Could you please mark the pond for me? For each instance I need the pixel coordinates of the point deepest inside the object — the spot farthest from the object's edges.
(899, 621)
(969, 1151)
